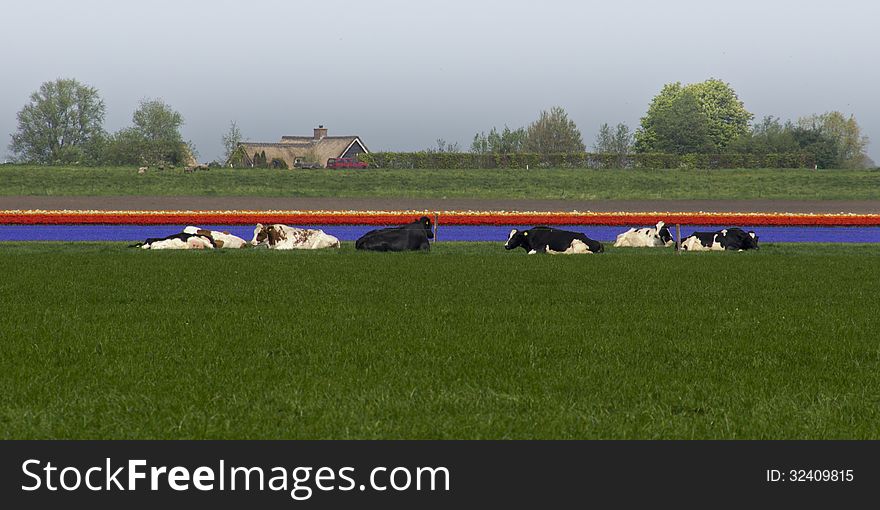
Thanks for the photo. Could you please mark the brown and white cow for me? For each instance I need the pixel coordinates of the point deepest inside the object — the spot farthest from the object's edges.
(282, 237)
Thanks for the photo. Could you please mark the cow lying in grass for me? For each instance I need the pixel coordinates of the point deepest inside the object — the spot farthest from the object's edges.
(656, 236)
(282, 237)
(221, 239)
(553, 241)
(182, 241)
(728, 239)
(410, 237)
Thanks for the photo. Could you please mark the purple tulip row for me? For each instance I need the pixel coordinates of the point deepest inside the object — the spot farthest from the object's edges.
(444, 233)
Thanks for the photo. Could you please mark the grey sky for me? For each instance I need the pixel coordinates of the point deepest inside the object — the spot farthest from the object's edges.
(403, 73)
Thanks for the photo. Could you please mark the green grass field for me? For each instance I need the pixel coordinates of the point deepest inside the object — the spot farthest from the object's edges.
(469, 341)
(570, 184)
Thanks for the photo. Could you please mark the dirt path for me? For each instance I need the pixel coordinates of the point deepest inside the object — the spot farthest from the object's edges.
(463, 204)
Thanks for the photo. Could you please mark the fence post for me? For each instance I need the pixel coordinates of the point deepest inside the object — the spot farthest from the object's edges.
(436, 225)
(677, 239)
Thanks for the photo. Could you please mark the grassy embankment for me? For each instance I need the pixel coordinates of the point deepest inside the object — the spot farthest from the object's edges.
(571, 184)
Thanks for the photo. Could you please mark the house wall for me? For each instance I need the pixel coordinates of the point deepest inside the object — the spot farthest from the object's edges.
(352, 151)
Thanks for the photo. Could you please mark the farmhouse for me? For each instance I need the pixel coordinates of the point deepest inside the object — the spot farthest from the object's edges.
(316, 148)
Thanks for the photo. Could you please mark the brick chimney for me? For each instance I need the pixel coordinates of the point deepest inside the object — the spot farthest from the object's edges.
(320, 132)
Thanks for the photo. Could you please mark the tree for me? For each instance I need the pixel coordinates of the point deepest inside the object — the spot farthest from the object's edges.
(726, 117)
(230, 141)
(682, 128)
(507, 142)
(154, 139)
(766, 137)
(511, 141)
(844, 132)
(725, 113)
(553, 133)
(157, 121)
(59, 123)
(480, 144)
(613, 141)
(604, 140)
(126, 147)
(442, 146)
(646, 136)
(617, 142)
(822, 148)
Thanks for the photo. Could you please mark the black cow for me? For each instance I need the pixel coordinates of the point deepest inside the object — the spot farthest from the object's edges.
(738, 239)
(410, 237)
(552, 240)
(720, 240)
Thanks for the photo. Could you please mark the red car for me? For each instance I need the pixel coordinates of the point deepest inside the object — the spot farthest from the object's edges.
(345, 163)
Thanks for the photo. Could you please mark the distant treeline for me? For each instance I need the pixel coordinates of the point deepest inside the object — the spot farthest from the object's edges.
(699, 125)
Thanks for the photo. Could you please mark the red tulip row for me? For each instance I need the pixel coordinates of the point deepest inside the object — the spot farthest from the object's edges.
(39, 217)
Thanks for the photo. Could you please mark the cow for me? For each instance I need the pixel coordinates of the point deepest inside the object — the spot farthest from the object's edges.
(551, 240)
(221, 239)
(410, 237)
(181, 241)
(727, 239)
(646, 237)
(739, 240)
(282, 237)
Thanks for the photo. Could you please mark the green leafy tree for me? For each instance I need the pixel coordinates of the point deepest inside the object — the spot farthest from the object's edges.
(443, 146)
(726, 116)
(617, 141)
(821, 147)
(553, 133)
(509, 141)
(160, 125)
(646, 136)
(682, 128)
(845, 134)
(494, 140)
(725, 113)
(154, 139)
(766, 137)
(59, 123)
(230, 141)
(480, 144)
(126, 147)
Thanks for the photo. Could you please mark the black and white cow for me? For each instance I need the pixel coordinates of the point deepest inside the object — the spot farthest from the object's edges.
(658, 235)
(727, 239)
(552, 240)
(410, 237)
(181, 241)
(221, 239)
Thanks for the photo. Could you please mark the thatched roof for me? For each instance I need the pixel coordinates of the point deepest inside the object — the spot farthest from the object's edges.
(307, 147)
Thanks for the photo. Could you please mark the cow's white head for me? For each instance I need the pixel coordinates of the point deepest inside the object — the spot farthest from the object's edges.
(516, 239)
(267, 234)
(259, 235)
(754, 238)
(510, 239)
(664, 234)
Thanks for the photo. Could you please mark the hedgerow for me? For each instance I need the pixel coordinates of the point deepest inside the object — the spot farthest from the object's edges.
(461, 160)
